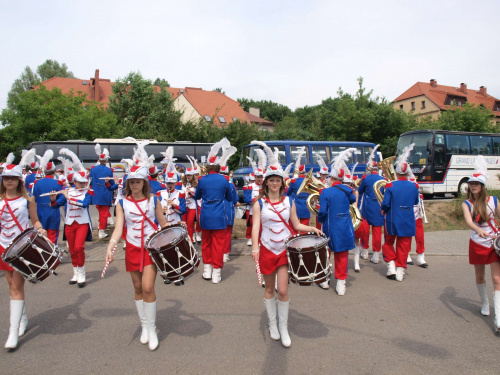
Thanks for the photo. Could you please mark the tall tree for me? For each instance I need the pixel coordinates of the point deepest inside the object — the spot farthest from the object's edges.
(268, 110)
(51, 115)
(161, 82)
(142, 111)
(51, 68)
(219, 89)
(27, 79)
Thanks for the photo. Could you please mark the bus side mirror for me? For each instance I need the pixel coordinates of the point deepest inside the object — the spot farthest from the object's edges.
(429, 146)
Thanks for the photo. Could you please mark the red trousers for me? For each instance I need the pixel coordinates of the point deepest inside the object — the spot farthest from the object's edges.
(419, 236)
(76, 234)
(400, 255)
(53, 235)
(229, 233)
(213, 246)
(103, 216)
(249, 226)
(190, 218)
(376, 237)
(341, 259)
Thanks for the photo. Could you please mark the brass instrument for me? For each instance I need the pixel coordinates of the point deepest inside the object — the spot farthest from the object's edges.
(356, 183)
(313, 186)
(387, 166)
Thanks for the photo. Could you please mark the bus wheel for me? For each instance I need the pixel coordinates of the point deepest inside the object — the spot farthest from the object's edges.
(462, 187)
(428, 196)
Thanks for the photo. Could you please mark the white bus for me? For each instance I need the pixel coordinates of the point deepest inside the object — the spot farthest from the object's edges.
(443, 161)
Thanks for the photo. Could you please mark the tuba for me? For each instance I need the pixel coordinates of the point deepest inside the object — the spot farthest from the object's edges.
(387, 166)
(313, 186)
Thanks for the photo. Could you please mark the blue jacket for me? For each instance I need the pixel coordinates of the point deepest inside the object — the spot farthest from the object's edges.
(399, 198)
(334, 214)
(300, 200)
(103, 195)
(213, 189)
(370, 210)
(231, 203)
(156, 186)
(29, 180)
(49, 218)
(85, 203)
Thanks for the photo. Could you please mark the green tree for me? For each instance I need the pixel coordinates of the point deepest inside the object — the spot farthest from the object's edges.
(467, 118)
(142, 111)
(27, 80)
(51, 68)
(268, 110)
(161, 82)
(218, 89)
(51, 115)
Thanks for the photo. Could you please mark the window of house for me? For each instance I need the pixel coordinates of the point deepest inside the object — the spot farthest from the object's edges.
(208, 118)
(423, 104)
(412, 106)
(401, 107)
(222, 119)
(459, 103)
(235, 118)
(455, 100)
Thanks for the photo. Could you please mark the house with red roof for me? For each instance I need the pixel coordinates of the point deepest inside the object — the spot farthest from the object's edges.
(193, 102)
(430, 99)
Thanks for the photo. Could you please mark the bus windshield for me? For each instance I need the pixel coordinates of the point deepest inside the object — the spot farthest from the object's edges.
(250, 152)
(420, 153)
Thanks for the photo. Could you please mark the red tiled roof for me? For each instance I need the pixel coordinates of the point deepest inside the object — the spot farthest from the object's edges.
(207, 103)
(439, 93)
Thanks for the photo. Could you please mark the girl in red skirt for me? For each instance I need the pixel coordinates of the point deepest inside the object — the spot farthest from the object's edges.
(269, 232)
(479, 214)
(16, 209)
(139, 209)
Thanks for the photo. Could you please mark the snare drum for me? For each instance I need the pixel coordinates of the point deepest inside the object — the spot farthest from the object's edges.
(308, 259)
(33, 255)
(173, 252)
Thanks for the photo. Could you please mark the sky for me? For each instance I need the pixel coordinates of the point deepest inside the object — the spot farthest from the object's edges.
(295, 53)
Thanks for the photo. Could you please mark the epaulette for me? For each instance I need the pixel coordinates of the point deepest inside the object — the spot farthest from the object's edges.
(364, 176)
(91, 192)
(179, 183)
(293, 181)
(182, 195)
(388, 185)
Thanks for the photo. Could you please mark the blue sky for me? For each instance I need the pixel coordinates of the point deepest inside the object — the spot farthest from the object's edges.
(292, 52)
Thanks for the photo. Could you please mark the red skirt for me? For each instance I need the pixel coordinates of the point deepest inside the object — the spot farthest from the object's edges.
(479, 254)
(4, 266)
(133, 258)
(269, 261)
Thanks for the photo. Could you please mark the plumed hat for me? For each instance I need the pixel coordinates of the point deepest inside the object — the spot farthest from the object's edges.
(402, 166)
(480, 173)
(339, 162)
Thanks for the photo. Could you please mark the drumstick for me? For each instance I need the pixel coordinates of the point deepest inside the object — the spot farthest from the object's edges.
(107, 263)
(259, 275)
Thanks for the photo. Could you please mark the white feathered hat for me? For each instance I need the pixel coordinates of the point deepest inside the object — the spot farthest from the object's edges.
(212, 155)
(323, 168)
(140, 170)
(349, 174)
(337, 170)
(104, 154)
(168, 155)
(372, 164)
(300, 152)
(45, 163)
(274, 167)
(480, 173)
(226, 154)
(13, 170)
(190, 171)
(171, 173)
(402, 166)
(80, 173)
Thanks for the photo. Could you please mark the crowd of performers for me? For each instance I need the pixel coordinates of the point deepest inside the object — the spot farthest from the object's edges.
(204, 202)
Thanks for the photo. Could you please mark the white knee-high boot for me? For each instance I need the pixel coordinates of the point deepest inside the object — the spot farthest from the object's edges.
(140, 310)
(150, 314)
(496, 301)
(74, 279)
(357, 250)
(271, 314)
(16, 311)
(81, 277)
(283, 308)
(485, 308)
(23, 323)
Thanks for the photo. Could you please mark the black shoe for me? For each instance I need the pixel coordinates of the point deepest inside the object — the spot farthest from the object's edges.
(425, 265)
(391, 277)
(178, 282)
(71, 282)
(166, 281)
(81, 285)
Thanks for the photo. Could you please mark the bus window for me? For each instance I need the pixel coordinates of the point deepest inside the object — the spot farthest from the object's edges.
(201, 151)
(338, 149)
(420, 153)
(120, 151)
(39, 147)
(480, 145)
(439, 159)
(294, 150)
(457, 144)
(57, 147)
(363, 154)
(181, 151)
(86, 153)
(323, 151)
(496, 145)
(439, 139)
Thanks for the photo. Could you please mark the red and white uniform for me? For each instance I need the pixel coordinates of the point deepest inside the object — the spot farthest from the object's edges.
(139, 228)
(10, 229)
(192, 210)
(419, 233)
(254, 189)
(174, 213)
(273, 235)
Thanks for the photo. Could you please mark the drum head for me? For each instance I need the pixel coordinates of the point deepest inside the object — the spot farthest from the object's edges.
(166, 237)
(306, 241)
(496, 244)
(20, 243)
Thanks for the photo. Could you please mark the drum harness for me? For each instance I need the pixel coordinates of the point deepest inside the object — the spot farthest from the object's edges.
(155, 227)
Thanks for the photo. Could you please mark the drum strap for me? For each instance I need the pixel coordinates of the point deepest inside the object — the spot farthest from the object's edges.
(13, 216)
(288, 226)
(144, 218)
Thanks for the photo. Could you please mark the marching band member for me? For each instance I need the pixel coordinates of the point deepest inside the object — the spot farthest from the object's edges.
(253, 190)
(16, 210)
(323, 177)
(419, 230)
(399, 198)
(139, 209)
(50, 218)
(173, 201)
(33, 166)
(370, 209)
(192, 208)
(479, 214)
(77, 223)
(103, 184)
(300, 200)
(231, 204)
(214, 191)
(168, 156)
(154, 184)
(334, 214)
(272, 212)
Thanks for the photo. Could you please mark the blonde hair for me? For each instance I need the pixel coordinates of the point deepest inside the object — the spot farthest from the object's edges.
(20, 190)
(479, 210)
(146, 190)
(265, 189)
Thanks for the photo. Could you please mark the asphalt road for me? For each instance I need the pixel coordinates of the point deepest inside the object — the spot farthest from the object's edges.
(429, 323)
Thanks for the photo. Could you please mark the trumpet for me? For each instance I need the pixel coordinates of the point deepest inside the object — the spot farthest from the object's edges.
(388, 168)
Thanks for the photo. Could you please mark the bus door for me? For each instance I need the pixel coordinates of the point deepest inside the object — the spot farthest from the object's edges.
(438, 163)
